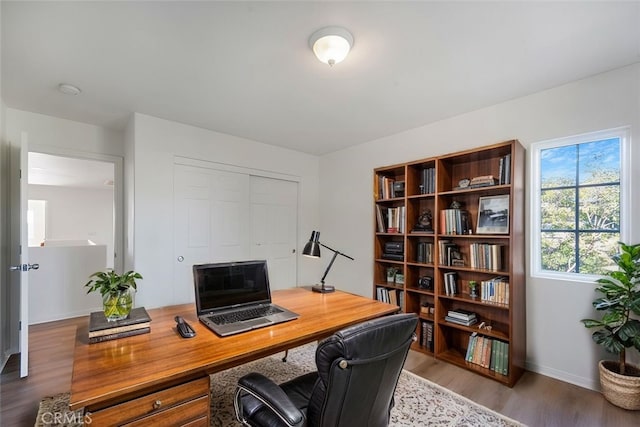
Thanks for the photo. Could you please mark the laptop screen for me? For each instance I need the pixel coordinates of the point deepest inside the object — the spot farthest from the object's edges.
(229, 284)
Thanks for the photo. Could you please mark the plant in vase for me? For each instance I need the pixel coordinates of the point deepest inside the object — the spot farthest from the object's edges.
(391, 274)
(617, 330)
(116, 290)
(473, 286)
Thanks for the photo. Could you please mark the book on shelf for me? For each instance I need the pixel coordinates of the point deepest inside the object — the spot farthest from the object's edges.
(427, 335)
(486, 256)
(455, 221)
(424, 252)
(482, 181)
(390, 296)
(471, 346)
(450, 254)
(396, 219)
(98, 321)
(495, 290)
(381, 220)
(461, 321)
(462, 314)
(504, 170)
(488, 352)
(389, 188)
(427, 180)
(117, 335)
(450, 283)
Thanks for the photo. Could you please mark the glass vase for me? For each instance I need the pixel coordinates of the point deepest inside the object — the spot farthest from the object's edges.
(117, 306)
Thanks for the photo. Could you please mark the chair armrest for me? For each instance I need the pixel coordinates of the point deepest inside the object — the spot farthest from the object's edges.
(271, 395)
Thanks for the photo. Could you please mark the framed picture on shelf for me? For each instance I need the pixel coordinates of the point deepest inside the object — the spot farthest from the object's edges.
(493, 215)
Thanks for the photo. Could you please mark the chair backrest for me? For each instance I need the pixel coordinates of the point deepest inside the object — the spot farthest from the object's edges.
(358, 370)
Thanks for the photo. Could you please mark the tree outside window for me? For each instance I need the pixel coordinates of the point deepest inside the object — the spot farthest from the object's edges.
(579, 197)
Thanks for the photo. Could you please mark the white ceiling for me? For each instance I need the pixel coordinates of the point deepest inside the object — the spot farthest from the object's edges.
(245, 68)
(47, 169)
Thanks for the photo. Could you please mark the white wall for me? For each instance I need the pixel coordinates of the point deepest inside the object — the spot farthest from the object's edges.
(78, 214)
(155, 143)
(557, 343)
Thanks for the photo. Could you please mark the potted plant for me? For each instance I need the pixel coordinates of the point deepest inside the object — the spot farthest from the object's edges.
(473, 286)
(116, 290)
(617, 330)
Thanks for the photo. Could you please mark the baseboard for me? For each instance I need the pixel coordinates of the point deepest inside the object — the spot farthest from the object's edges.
(3, 362)
(584, 382)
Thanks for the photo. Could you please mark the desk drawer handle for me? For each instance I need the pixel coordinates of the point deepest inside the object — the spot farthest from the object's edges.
(157, 404)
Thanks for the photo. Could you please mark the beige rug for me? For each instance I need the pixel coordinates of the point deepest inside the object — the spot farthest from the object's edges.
(418, 402)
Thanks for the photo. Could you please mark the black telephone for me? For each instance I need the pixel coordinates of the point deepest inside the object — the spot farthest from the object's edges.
(184, 329)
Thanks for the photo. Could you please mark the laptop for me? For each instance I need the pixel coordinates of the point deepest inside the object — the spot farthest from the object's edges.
(234, 297)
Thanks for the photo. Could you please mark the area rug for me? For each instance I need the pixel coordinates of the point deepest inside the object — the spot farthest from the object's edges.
(418, 402)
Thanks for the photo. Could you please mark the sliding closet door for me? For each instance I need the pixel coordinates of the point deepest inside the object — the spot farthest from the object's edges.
(274, 213)
(211, 222)
(224, 216)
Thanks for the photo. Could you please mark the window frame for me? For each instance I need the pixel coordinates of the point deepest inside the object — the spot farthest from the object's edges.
(624, 134)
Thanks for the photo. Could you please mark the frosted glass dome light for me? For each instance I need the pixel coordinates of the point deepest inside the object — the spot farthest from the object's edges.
(331, 45)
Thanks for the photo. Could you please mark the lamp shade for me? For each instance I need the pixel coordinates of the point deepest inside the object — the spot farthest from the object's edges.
(331, 44)
(312, 248)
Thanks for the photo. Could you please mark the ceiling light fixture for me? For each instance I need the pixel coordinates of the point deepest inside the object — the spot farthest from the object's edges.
(331, 44)
(68, 89)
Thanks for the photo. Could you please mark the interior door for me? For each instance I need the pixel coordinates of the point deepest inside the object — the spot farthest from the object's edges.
(20, 251)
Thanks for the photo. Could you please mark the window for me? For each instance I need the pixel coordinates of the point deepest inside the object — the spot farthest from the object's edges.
(578, 197)
(36, 221)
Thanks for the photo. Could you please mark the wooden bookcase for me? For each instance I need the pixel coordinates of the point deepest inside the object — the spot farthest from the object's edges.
(433, 185)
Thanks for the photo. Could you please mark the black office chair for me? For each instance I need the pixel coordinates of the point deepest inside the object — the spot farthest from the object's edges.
(358, 370)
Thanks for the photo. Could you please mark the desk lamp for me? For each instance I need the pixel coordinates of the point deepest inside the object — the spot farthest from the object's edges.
(312, 250)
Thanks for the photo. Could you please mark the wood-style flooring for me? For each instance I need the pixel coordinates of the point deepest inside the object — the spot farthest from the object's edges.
(535, 400)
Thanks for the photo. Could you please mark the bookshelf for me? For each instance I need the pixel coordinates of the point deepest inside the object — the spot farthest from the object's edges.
(462, 220)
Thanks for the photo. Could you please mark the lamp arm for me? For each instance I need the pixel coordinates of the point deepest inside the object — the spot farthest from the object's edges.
(335, 255)
(337, 252)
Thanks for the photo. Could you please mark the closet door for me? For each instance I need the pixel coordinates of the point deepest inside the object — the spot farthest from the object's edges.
(274, 213)
(211, 222)
(224, 216)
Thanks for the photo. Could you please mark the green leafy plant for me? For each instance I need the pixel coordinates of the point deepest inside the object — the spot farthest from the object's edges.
(620, 290)
(115, 290)
(110, 282)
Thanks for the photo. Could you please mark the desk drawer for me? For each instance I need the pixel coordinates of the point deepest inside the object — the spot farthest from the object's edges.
(156, 403)
(180, 416)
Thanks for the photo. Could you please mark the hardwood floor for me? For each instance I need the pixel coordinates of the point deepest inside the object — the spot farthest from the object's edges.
(535, 400)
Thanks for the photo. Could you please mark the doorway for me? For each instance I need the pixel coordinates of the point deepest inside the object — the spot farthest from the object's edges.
(74, 224)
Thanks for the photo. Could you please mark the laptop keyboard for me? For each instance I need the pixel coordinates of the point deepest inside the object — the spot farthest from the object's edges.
(239, 316)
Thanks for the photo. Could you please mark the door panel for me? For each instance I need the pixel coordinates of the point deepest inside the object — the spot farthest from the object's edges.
(274, 205)
(211, 211)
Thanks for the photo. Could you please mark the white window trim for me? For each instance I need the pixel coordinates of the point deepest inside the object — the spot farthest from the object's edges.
(624, 133)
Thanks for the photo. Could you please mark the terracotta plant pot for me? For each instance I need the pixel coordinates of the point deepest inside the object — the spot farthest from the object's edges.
(620, 390)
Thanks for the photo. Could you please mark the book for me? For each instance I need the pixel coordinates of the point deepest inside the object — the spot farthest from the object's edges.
(119, 329)
(462, 314)
(118, 335)
(98, 321)
(470, 347)
(460, 321)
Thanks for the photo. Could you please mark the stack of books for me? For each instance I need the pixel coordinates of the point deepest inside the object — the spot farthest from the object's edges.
(461, 317)
(100, 329)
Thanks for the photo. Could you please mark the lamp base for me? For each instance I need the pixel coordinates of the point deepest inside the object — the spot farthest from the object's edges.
(323, 289)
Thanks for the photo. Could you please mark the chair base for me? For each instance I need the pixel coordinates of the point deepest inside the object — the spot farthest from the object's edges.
(323, 289)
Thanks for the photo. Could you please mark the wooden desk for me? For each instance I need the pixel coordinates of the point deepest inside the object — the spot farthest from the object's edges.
(136, 373)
